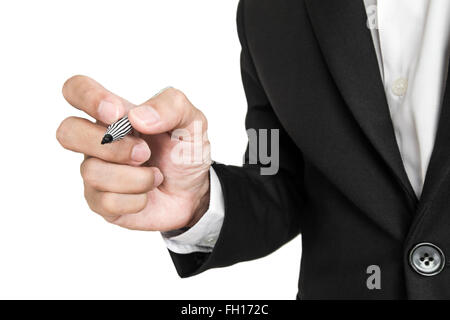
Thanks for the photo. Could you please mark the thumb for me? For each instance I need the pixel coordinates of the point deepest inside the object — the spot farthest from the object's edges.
(165, 112)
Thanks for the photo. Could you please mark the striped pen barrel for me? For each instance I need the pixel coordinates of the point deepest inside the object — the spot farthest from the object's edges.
(118, 130)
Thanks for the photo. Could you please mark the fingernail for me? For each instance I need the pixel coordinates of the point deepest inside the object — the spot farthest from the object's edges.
(158, 178)
(146, 114)
(108, 112)
(140, 152)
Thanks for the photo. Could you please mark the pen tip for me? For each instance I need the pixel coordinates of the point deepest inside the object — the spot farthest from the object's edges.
(107, 139)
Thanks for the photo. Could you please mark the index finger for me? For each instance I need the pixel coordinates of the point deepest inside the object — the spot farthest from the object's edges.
(89, 96)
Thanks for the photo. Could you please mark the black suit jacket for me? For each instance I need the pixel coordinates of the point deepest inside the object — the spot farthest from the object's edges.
(309, 69)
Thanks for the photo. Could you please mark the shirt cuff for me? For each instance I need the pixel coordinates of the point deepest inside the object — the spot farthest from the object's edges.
(203, 236)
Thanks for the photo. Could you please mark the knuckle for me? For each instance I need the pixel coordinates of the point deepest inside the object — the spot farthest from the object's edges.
(108, 203)
(88, 197)
(170, 91)
(63, 131)
(91, 205)
(88, 172)
(178, 97)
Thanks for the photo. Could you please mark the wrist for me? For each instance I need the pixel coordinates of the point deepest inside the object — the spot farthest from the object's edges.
(201, 204)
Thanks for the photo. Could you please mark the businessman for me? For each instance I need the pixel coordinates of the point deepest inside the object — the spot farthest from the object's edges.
(357, 94)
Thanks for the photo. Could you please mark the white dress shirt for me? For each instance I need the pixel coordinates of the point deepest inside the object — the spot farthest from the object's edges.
(411, 39)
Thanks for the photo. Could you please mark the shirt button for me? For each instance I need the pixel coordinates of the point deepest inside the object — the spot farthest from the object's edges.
(400, 86)
(427, 259)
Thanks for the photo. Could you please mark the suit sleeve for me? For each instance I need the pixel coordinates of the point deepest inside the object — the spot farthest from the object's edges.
(262, 212)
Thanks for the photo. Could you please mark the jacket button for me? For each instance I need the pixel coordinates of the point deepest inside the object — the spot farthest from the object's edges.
(427, 259)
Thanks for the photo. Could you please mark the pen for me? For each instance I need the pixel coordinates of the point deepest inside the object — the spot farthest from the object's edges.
(118, 130)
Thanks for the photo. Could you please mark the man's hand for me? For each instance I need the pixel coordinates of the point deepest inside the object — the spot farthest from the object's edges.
(157, 179)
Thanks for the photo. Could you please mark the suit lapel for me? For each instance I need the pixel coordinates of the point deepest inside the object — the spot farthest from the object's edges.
(439, 166)
(347, 46)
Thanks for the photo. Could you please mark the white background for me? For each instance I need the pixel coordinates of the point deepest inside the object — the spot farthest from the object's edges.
(51, 245)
